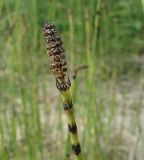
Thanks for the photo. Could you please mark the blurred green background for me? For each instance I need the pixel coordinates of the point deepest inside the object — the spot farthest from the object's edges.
(108, 37)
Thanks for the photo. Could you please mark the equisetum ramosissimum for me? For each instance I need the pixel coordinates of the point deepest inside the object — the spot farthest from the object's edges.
(58, 66)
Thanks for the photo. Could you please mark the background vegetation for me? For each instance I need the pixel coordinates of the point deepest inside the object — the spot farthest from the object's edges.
(105, 35)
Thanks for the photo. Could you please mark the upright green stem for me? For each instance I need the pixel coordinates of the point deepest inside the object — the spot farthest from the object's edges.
(72, 127)
(142, 4)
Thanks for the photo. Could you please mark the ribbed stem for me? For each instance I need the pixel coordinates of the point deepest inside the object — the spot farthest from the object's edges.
(72, 127)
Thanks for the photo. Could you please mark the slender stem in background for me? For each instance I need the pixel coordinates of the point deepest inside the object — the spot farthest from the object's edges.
(96, 26)
(142, 4)
(71, 34)
(80, 5)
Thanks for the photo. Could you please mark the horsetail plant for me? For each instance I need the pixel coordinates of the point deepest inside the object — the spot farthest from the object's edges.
(58, 66)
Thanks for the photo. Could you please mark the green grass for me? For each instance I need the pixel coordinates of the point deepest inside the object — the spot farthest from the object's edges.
(32, 125)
